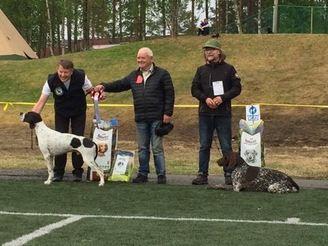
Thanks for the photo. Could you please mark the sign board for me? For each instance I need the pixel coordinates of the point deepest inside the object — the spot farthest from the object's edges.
(253, 112)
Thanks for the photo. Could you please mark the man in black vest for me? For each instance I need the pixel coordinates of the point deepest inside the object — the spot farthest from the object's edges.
(69, 87)
(153, 99)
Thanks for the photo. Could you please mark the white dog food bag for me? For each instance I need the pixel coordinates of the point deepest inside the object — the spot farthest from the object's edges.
(123, 166)
(106, 141)
(251, 146)
(250, 149)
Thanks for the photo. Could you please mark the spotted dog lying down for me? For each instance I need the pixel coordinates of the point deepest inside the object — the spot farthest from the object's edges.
(249, 178)
(52, 143)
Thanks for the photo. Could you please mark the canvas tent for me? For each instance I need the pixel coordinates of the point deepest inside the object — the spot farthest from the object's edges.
(11, 42)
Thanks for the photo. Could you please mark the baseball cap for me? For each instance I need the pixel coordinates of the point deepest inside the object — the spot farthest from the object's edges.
(212, 43)
(163, 129)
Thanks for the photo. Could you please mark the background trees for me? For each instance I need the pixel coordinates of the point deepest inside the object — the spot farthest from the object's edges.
(71, 25)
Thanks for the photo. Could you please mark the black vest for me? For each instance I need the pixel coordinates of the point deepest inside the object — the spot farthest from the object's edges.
(71, 102)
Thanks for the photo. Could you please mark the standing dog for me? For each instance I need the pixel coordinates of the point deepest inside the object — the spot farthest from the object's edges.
(249, 178)
(52, 143)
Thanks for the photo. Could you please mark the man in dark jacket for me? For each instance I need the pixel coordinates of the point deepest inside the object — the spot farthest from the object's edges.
(214, 85)
(153, 98)
(69, 87)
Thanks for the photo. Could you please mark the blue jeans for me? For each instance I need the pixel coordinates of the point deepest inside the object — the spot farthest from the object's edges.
(146, 136)
(207, 125)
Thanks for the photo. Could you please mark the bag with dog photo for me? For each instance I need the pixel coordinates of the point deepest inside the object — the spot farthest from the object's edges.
(106, 141)
(251, 146)
(123, 166)
(105, 134)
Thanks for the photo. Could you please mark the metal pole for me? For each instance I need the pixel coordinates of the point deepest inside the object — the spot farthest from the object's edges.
(275, 17)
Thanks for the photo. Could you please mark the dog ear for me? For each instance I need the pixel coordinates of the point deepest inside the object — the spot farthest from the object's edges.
(32, 125)
(222, 162)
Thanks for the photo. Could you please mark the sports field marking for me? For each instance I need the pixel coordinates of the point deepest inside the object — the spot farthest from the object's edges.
(76, 217)
(42, 231)
(288, 221)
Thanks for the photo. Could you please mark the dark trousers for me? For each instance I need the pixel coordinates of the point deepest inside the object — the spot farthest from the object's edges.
(204, 32)
(207, 126)
(77, 127)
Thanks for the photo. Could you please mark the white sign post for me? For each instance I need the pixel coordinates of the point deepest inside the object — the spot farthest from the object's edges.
(251, 133)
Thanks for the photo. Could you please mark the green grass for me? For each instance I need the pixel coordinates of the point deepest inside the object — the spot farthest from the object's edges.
(161, 201)
(12, 226)
(273, 68)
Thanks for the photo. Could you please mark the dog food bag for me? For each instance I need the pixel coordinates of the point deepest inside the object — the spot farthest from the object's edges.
(106, 141)
(123, 166)
(251, 146)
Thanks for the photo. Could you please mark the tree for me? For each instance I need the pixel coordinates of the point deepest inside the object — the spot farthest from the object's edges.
(114, 4)
(50, 29)
(192, 20)
(259, 16)
(86, 23)
(174, 17)
(206, 9)
(238, 13)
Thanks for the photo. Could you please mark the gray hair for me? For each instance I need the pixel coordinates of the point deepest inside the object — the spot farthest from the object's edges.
(222, 55)
(147, 50)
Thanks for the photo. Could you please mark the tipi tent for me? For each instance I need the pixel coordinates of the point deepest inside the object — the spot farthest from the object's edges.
(11, 42)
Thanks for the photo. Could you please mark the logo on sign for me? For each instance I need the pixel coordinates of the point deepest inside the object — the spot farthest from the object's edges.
(253, 112)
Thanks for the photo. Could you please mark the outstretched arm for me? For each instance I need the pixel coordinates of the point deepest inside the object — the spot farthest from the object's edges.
(38, 107)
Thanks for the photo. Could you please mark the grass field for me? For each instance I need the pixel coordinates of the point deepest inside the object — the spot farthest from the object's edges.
(279, 69)
(124, 214)
(273, 68)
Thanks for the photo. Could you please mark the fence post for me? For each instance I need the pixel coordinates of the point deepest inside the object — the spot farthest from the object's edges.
(275, 17)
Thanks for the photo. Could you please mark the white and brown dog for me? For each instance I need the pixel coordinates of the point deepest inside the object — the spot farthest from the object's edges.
(52, 143)
(249, 178)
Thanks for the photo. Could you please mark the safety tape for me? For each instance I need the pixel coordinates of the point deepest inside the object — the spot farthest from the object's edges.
(7, 104)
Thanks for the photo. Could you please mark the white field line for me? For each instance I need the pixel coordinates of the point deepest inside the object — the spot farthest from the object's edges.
(41, 231)
(289, 221)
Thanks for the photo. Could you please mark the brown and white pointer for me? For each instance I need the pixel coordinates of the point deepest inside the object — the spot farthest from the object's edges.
(52, 143)
(249, 178)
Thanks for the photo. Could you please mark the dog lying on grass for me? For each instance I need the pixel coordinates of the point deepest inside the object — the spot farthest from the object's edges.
(249, 178)
(52, 143)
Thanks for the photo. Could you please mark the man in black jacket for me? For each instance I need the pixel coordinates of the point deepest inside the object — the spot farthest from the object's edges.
(69, 87)
(214, 85)
(153, 98)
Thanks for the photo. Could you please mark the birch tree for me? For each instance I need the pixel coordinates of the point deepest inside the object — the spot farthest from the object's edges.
(259, 16)
(50, 29)
(238, 15)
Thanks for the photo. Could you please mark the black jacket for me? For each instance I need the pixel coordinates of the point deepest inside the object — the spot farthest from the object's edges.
(151, 100)
(71, 102)
(202, 87)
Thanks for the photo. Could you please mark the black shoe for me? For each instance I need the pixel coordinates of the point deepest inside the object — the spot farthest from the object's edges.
(140, 179)
(200, 180)
(57, 178)
(228, 180)
(161, 179)
(77, 177)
